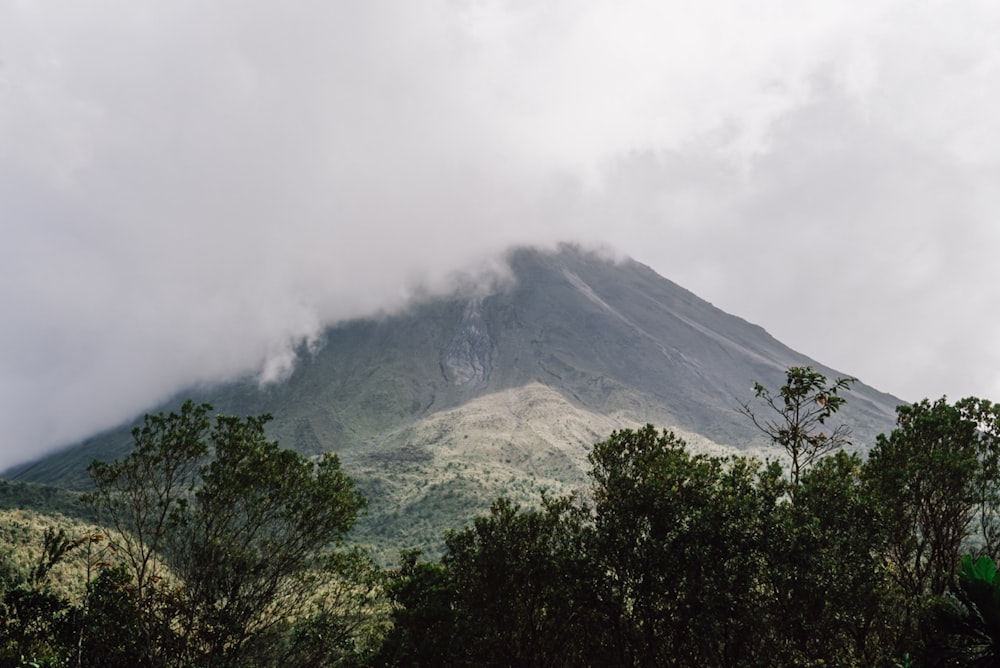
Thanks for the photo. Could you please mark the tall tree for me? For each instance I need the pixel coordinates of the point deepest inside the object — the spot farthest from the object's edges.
(825, 570)
(679, 538)
(527, 591)
(796, 417)
(515, 588)
(243, 537)
(927, 477)
(142, 498)
(34, 617)
(426, 622)
(934, 483)
(261, 519)
(986, 416)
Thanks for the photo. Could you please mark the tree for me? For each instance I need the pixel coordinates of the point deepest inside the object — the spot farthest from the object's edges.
(220, 552)
(426, 621)
(108, 629)
(33, 617)
(801, 408)
(680, 540)
(142, 498)
(256, 526)
(926, 480)
(343, 624)
(825, 570)
(527, 591)
(931, 479)
(966, 625)
(986, 416)
(516, 588)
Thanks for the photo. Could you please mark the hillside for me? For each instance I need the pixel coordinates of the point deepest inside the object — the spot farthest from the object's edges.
(438, 409)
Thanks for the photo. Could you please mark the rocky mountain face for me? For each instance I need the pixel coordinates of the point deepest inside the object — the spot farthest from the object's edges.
(468, 360)
(439, 409)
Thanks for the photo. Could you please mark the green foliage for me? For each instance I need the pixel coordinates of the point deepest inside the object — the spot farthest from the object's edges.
(931, 477)
(986, 416)
(146, 494)
(965, 626)
(826, 575)
(683, 560)
(31, 620)
(979, 570)
(109, 631)
(425, 629)
(515, 588)
(800, 411)
(342, 622)
(682, 539)
(933, 481)
(44, 499)
(221, 550)
(257, 524)
(36, 621)
(525, 586)
(228, 550)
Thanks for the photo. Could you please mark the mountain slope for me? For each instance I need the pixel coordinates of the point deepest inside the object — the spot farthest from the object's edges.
(439, 409)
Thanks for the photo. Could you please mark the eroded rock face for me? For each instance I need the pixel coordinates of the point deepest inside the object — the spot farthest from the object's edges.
(468, 359)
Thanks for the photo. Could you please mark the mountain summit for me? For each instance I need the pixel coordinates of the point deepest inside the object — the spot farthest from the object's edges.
(438, 409)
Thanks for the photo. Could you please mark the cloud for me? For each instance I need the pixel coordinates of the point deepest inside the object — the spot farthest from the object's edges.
(190, 191)
(866, 251)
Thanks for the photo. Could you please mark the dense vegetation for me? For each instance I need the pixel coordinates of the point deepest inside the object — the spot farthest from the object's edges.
(215, 547)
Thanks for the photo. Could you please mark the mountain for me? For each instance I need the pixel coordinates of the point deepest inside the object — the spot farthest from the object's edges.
(439, 409)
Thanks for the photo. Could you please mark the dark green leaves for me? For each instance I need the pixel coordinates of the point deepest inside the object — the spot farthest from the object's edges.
(796, 418)
(982, 569)
(224, 534)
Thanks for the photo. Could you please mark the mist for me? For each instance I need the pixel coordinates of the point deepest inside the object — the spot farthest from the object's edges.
(191, 192)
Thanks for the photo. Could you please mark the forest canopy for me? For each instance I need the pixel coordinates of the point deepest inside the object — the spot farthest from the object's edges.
(214, 546)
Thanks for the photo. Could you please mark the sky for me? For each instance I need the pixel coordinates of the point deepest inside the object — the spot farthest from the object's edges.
(190, 191)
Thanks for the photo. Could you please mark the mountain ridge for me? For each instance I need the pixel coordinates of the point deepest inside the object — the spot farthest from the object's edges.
(441, 407)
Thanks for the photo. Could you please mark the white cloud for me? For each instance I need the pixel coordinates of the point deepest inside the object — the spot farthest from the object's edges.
(189, 190)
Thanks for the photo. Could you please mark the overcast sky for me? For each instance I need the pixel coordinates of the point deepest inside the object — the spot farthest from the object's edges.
(190, 188)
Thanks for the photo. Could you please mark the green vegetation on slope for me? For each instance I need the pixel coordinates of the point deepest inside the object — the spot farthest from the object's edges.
(220, 549)
(223, 549)
(685, 559)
